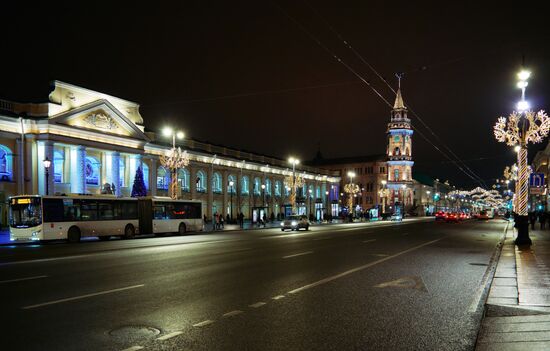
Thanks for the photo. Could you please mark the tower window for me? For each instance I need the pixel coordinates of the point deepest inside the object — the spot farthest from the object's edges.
(396, 175)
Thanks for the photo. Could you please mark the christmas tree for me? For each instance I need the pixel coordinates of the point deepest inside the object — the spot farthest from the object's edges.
(139, 188)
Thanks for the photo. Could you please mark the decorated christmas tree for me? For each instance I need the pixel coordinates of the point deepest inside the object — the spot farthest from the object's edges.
(139, 189)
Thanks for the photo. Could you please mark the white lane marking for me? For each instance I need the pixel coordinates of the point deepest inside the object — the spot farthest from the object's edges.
(257, 304)
(232, 313)
(369, 241)
(360, 268)
(21, 279)
(203, 323)
(169, 336)
(298, 254)
(278, 297)
(133, 348)
(379, 255)
(82, 296)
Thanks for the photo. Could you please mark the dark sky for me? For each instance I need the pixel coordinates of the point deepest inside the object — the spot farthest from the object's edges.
(244, 74)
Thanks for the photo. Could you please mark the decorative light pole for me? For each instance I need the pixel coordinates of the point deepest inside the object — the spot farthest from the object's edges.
(174, 159)
(326, 204)
(518, 130)
(351, 189)
(293, 182)
(231, 183)
(263, 195)
(310, 197)
(428, 193)
(47, 163)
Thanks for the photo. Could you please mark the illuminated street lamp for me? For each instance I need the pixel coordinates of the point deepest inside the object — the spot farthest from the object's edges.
(518, 130)
(293, 182)
(383, 194)
(174, 159)
(351, 189)
(47, 163)
(310, 197)
(263, 194)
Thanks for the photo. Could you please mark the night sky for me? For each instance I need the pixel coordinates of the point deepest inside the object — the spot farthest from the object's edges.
(250, 74)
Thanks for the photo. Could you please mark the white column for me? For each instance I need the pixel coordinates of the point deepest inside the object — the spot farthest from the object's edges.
(78, 170)
(115, 171)
(153, 177)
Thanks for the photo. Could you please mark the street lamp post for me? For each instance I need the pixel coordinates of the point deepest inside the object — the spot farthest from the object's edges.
(310, 197)
(293, 183)
(351, 189)
(384, 194)
(518, 130)
(326, 204)
(428, 193)
(231, 183)
(47, 163)
(263, 195)
(174, 160)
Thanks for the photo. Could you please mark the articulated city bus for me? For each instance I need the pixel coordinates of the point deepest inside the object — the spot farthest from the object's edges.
(72, 217)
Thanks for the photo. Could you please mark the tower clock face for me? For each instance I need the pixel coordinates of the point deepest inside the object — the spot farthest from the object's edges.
(396, 138)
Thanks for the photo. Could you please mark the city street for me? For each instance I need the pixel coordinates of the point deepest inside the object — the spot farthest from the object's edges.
(413, 285)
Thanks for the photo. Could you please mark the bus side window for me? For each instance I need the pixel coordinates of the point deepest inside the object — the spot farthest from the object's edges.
(158, 212)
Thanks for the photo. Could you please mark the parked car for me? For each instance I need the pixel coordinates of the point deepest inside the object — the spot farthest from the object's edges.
(396, 217)
(295, 223)
(440, 215)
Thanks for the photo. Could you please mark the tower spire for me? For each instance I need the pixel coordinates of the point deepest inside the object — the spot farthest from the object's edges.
(398, 98)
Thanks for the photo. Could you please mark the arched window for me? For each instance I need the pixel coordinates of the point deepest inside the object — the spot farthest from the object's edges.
(396, 175)
(58, 158)
(145, 175)
(257, 186)
(396, 152)
(268, 186)
(217, 183)
(245, 185)
(231, 189)
(303, 190)
(318, 192)
(183, 179)
(310, 191)
(201, 181)
(277, 188)
(121, 170)
(92, 170)
(163, 178)
(6, 164)
(287, 190)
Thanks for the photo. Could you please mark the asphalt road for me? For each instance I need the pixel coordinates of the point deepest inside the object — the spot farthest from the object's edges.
(382, 286)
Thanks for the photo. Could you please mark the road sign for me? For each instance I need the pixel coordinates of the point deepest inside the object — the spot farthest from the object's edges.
(537, 191)
(536, 180)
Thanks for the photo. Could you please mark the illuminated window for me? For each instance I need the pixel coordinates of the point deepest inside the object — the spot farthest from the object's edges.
(277, 188)
(257, 186)
(58, 158)
(201, 182)
(268, 187)
(163, 178)
(245, 185)
(217, 183)
(92, 170)
(183, 179)
(396, 175)
(6, 163)
(318, 192)
(121, 170)
(233, 189)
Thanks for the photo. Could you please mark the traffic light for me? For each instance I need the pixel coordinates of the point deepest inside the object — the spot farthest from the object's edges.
(436, 197)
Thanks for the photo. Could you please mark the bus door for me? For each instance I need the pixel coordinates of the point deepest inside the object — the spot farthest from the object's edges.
(145, 214)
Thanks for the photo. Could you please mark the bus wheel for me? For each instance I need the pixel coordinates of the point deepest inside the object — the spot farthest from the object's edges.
(182, 229)
(74, 235)
(129, 231)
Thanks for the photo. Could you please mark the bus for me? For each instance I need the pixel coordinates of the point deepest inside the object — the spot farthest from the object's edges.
(36, 217)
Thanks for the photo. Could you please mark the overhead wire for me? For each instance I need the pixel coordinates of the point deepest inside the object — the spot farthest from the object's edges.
(371, 67)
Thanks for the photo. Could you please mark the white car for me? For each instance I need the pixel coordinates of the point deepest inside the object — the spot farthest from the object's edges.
(295, 223)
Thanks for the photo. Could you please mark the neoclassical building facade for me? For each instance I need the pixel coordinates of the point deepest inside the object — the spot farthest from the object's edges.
(93, 139)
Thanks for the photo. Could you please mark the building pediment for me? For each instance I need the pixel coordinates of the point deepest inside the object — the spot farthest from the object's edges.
(100, 116)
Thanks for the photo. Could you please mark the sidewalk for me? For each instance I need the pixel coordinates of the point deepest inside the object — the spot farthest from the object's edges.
(517, 313)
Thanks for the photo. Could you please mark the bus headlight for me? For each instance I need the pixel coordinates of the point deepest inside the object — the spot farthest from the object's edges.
(35, 234)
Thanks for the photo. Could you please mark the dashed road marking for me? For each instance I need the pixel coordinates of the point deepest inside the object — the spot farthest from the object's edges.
(203, 323)
(380, 255)
(257, 304)
(82, 296)
(133, 348)
(369, 241)
(360, 268)
(299, 254)
(232, 313)
(169, 336)
(22, 279)
(278, 297)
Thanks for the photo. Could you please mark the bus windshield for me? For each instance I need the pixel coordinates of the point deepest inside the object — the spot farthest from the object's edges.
(25, 212)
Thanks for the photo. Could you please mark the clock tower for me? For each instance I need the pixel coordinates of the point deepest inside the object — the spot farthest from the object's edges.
(399, 155)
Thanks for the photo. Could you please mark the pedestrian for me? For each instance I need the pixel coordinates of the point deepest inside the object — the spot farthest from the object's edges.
(217, 220)
(542, 220)
(241, 219)
(532, 219)
(264, 220)
(227, 219)
(221, 222)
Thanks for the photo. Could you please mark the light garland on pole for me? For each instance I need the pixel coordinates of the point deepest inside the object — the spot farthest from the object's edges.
(351, 189)
(174, 159)
(293, 182)
(518, 130)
